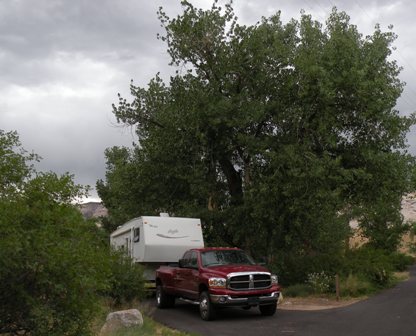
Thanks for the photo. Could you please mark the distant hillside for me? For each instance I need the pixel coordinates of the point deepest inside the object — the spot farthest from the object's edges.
(93, 210)
(96, 209)
(409, 207)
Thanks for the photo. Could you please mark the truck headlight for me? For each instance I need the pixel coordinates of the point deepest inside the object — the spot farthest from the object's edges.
(274, 279)
(217, 282)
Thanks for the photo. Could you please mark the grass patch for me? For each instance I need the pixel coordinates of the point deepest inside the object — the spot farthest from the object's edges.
(352, 286)
(401, 276)
(149, 328)
(298, 290)
(355, 286)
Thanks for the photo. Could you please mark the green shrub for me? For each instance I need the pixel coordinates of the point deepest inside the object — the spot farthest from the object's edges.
(401, 261)
(51, 264)
(126, 280)
(370, 264)
(298, 290)
(321, 282)
(54, 265)
(354, 286)
(294, 269)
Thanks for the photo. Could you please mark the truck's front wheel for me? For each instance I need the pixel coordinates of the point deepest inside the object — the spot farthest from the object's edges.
(206, 309)
(164, 300)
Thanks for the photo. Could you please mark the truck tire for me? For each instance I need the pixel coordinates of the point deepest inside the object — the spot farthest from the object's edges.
(164, 300)
(206, 309)
(268, 310)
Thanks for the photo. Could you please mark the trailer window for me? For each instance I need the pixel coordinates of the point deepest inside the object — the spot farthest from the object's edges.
(136, 237)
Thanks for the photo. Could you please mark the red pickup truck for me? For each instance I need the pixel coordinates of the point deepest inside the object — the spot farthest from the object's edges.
(217, 277)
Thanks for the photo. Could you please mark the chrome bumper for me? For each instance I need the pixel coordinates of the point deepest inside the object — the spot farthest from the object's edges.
(227, 300)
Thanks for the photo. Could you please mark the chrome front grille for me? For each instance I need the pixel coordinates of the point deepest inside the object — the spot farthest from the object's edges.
(249, 280)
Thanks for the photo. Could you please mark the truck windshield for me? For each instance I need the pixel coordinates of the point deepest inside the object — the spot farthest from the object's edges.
(225, 257)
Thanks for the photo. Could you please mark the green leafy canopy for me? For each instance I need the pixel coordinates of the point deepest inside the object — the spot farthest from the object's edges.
(276, 135)
(52, 265)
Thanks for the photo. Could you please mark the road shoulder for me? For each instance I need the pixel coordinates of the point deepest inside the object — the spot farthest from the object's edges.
(312, 303)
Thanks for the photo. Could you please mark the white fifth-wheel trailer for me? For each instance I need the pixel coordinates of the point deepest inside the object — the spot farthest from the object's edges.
(153, 241)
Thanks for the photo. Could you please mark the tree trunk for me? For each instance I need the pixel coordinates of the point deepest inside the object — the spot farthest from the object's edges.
(234, 180)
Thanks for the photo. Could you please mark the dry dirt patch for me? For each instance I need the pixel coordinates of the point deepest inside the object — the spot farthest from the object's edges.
(312, 303)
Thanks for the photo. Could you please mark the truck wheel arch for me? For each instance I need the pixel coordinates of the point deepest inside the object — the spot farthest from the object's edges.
(163, 299)
(203, 288)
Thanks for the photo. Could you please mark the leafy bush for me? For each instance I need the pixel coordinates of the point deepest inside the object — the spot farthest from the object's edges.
(321, 282)
(294, 269)
(371, 264)
(354, 286)
(401, 261)
(298, 290)
(51, 264)
(362, 271)
(54, 266)
(126, 281)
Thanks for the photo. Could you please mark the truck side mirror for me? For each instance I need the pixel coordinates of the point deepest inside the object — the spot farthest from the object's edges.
(182, 263)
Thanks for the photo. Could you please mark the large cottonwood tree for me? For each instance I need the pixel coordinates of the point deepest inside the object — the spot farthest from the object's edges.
(274, 134)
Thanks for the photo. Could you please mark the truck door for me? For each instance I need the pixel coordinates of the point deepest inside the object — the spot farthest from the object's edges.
(184, 277)
(180, 273)
(190, 276)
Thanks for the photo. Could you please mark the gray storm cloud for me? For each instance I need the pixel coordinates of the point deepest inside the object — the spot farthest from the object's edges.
(63, 63)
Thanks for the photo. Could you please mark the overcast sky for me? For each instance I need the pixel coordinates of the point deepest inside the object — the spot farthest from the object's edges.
(63, 62)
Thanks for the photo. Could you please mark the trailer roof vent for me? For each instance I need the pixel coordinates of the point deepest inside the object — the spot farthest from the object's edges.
(164, 214)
